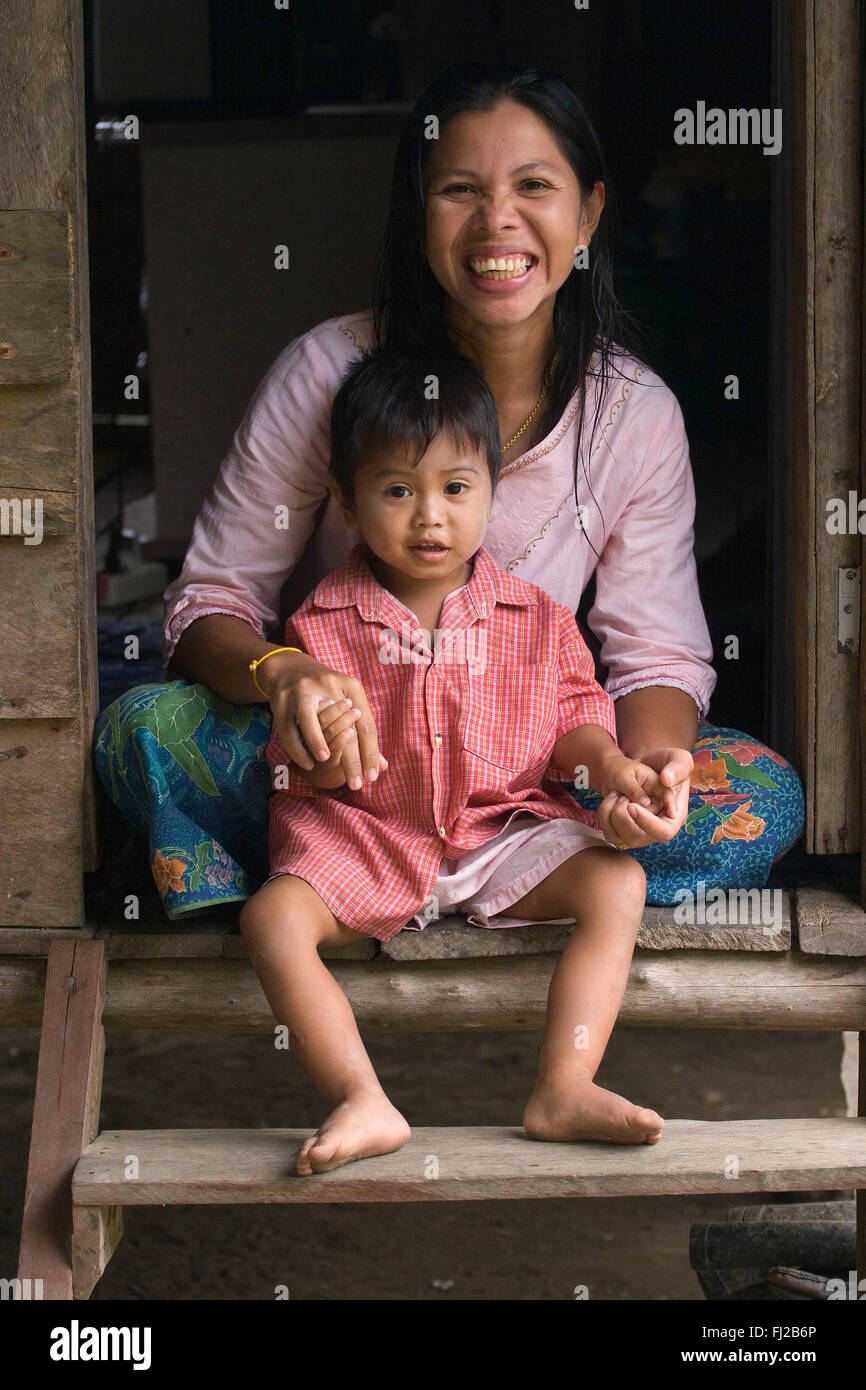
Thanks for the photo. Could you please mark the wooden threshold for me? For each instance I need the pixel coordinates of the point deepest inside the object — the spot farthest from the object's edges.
(816, 920)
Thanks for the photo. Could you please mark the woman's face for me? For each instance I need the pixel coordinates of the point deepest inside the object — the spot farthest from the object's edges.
(498, 186)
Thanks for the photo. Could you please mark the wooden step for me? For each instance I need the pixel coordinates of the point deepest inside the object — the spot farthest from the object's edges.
(198, 1166)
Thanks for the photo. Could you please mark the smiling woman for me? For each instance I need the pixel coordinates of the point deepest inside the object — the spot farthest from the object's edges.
(480, 254)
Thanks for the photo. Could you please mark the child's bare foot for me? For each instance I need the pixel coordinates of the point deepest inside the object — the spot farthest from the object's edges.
(578, 1109)
(361, 1126)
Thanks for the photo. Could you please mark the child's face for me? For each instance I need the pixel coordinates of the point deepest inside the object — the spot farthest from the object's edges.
(446, 498)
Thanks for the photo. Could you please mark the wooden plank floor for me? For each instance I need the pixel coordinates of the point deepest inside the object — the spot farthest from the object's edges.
(197, 1166)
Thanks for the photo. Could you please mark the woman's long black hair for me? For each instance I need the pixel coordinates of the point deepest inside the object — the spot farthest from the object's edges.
(409, 302)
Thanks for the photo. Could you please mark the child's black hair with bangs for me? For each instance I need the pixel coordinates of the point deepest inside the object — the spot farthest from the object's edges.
(396, 397)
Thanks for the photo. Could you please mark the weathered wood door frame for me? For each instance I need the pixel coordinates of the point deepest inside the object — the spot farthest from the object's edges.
(49, 678)
(815, 354)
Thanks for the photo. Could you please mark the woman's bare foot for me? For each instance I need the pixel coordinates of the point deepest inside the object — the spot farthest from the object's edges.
(362, 1125)
(578, 1109)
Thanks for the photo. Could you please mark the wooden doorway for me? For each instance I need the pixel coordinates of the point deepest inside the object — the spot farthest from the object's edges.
(48, 692)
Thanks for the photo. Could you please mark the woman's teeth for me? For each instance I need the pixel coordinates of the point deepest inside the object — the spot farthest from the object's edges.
(503, 268)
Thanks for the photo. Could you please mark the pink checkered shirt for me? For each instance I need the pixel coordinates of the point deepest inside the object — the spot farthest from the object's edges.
(467, 717)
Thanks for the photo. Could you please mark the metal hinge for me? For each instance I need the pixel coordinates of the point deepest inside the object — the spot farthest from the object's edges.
(849, 610)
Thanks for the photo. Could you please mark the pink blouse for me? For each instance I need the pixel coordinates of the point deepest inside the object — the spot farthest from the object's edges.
(263, 522)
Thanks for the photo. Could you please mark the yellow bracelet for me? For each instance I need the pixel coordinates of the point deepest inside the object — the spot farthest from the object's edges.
(272, 652)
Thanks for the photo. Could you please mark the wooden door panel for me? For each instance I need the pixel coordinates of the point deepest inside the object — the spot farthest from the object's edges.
(39, 678)
(48, 793)
(40, 823)
(815, 338)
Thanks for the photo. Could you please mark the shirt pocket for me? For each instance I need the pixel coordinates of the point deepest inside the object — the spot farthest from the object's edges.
(510, 716)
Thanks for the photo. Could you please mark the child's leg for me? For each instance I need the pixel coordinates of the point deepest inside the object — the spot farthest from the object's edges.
(605, 891)
(283, 925)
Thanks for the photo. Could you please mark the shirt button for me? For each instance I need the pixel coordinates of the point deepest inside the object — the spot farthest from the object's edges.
(437, 739)
(442, 831)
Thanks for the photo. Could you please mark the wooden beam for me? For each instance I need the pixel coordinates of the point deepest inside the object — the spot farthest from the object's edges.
(829, 923)
(816, 271)
(837, 198)
(65, 1109)
(45, 456)
(693, 989)
(96, 1234)
(36, 941)
(790, 644)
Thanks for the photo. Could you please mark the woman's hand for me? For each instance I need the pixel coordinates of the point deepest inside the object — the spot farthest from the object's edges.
(626, 822)
(296, 686)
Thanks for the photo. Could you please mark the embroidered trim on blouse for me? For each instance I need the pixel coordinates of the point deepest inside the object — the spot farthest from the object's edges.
(530, 545)
(642, 683)
(539, 452)
(192, 617)
(349, 334)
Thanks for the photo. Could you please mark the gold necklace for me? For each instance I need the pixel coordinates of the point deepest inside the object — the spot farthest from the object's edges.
(534, 411)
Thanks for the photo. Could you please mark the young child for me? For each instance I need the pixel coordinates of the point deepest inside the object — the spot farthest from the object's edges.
(484, 698)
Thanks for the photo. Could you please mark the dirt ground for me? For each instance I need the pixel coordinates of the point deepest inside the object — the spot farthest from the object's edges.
(536, 1250)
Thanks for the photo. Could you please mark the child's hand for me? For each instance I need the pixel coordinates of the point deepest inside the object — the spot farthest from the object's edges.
(627, 780)
(337, 720)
